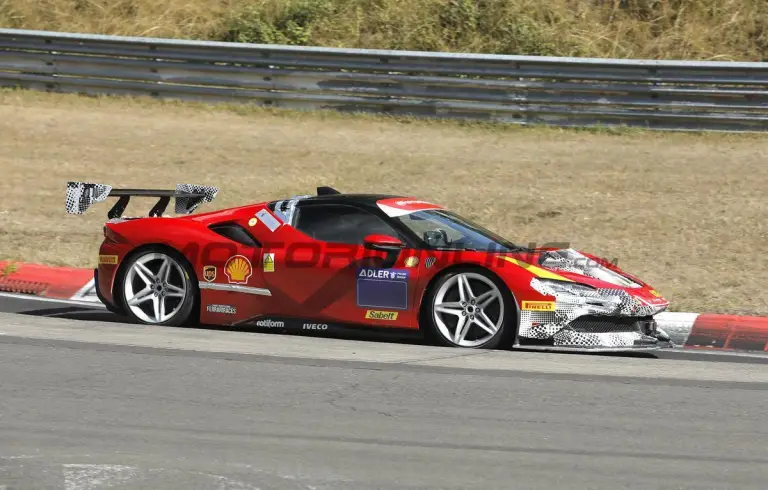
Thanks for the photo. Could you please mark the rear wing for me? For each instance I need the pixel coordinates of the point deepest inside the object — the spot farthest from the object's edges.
(81, 195)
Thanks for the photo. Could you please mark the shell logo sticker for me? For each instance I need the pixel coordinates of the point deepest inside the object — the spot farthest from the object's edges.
(411, 261)
(238, 269)
(539, 305)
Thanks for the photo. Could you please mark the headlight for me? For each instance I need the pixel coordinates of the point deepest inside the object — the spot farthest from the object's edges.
(553, 287)
(581, 296)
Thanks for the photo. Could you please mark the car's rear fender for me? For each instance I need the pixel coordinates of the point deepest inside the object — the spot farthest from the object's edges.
(192, 240)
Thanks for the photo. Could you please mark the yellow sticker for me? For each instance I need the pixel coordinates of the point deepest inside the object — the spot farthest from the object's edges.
(238, 269)
(536, 271)
(269, 262)
(108, 259)
(539, 305)
(380, 315)
(252, 222)
(655, 293)
(411, 262)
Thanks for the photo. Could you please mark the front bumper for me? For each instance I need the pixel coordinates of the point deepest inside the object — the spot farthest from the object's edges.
(599, 319)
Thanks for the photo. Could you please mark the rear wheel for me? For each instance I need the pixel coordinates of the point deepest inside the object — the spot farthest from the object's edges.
(470, 308)
(158, 288)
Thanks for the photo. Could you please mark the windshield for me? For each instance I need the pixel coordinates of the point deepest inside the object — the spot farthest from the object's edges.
(441, 229)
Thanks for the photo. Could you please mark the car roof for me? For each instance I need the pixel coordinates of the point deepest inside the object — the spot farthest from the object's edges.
(365, 199)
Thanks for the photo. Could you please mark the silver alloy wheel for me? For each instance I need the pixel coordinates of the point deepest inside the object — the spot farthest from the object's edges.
(463, 316)
(155, 288)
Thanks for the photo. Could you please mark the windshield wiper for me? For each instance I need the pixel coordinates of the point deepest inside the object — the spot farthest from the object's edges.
(518, 248)
(507, 249)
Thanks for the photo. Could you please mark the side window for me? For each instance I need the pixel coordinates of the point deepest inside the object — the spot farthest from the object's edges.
(340, 224)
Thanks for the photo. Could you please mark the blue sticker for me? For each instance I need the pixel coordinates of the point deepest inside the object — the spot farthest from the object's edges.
(382, 288)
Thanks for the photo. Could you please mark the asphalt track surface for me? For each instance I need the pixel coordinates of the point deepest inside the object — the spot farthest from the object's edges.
(87, 402)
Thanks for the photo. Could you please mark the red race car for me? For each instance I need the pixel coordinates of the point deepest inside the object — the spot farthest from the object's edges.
(337, 260)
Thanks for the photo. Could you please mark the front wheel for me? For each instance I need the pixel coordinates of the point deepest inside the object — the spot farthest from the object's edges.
(158, 288)
(470, 308)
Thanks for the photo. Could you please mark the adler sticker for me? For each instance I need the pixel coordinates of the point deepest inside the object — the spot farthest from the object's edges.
(382, 288)
(539, 305)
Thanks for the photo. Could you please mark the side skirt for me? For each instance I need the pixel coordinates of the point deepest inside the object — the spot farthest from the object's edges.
(306, 325)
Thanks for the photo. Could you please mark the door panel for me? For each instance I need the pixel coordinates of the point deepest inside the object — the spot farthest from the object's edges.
(341, 282)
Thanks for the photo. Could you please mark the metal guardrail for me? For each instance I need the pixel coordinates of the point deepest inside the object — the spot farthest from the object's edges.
(679, 95)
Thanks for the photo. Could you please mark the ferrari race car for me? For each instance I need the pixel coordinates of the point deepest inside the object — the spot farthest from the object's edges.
(336, 260)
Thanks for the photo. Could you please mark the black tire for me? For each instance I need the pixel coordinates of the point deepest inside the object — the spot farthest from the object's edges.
(437, 326)
(183, 308)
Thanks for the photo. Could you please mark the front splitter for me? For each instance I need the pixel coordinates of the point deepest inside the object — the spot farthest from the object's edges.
(582, 349)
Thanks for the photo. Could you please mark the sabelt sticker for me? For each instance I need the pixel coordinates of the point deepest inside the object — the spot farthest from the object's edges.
(209, 273)
(381, 315)
(539, 305)
(655, 293)
(238, 269)
(382, 288)
(108, 259)
(269, 262)
(269, 221)
(394, 207)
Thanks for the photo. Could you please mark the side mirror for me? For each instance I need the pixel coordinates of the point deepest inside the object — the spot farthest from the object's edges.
(383, 243)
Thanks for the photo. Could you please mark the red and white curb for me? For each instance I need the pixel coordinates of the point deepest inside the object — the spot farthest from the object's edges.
(48, 282)
(702, 331)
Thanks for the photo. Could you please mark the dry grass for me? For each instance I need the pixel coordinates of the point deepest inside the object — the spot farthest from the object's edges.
(686, 212)
(661, 29)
